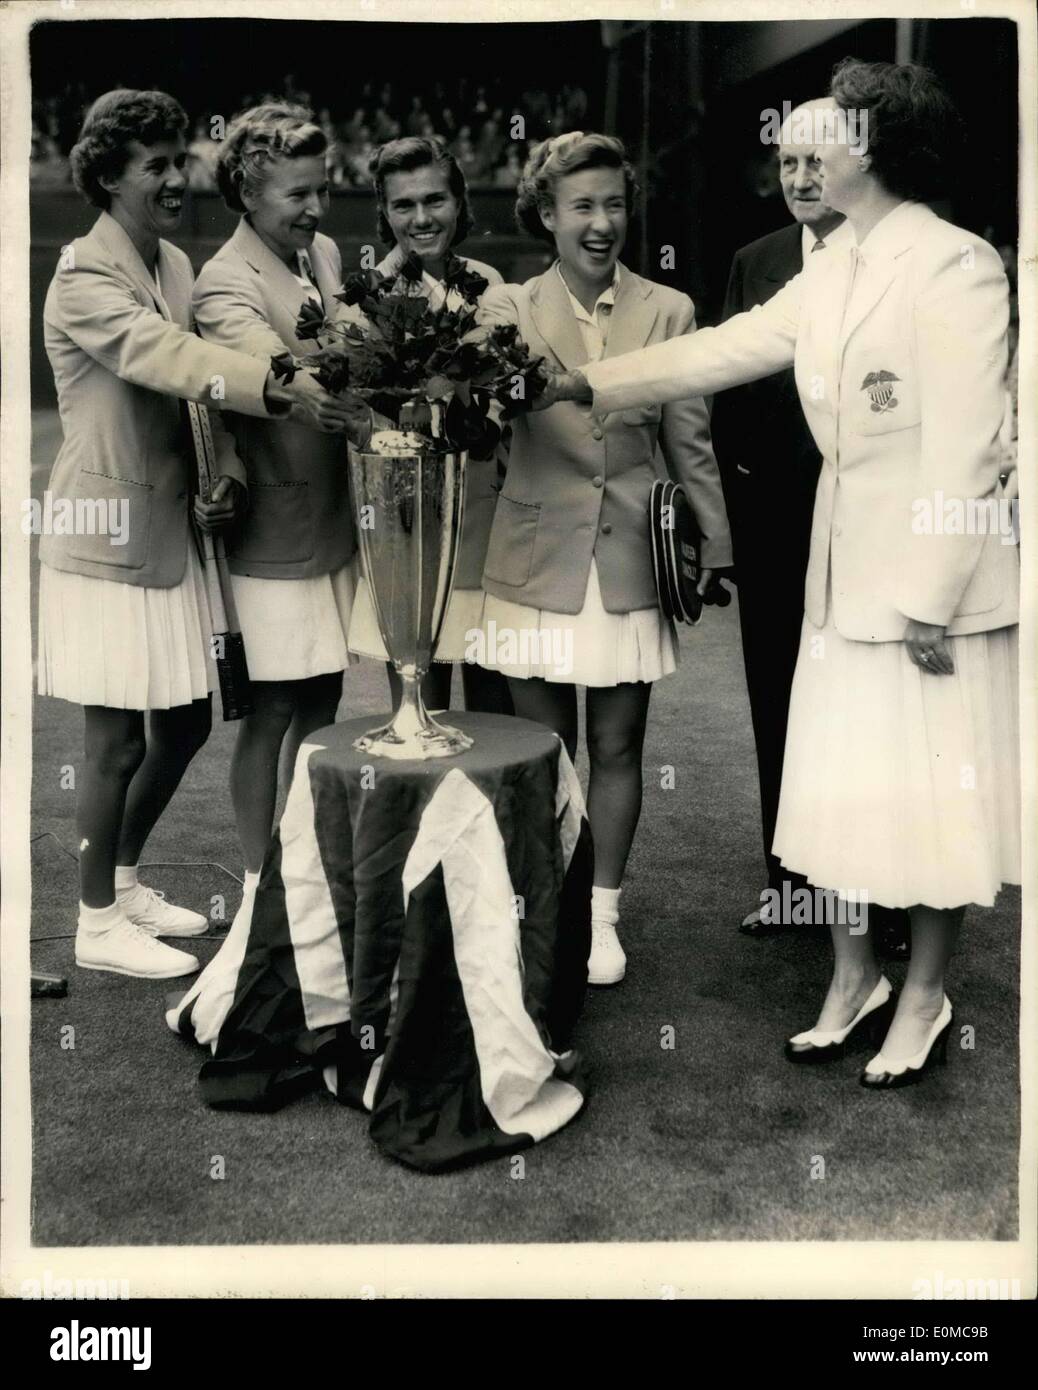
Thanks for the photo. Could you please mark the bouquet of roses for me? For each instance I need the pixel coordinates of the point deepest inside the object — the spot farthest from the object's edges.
(431, 371)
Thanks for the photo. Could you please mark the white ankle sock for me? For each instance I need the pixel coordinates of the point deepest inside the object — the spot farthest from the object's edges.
(605, 905)
(98, 919)
(125, 877)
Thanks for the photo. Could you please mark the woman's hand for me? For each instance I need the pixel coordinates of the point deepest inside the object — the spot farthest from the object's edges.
(310, 404)
(928, 649)
(705, 577)
(564, 386)
(361, 420)
(223, 506)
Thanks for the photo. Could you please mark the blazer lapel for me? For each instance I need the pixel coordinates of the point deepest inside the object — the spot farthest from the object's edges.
(633, 316)
(830, 282)
(554, 320)
(327, 282)
(866, 297)
(888, 240)
(277, 279)
(175, 288)
(785, 257)
(126, 256)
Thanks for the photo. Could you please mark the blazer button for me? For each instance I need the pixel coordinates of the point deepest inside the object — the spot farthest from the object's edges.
(607, 528)
(597, 480)
(837, 530)
(596, 433)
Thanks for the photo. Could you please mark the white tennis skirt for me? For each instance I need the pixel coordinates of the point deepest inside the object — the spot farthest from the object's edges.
(592, 647)
(296, 628)
(102, 642)
(898, 783)
(462, 620)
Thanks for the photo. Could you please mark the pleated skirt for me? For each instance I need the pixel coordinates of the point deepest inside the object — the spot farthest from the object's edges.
(593, 647)
(296, 628)
(899, 783)
(102, 642)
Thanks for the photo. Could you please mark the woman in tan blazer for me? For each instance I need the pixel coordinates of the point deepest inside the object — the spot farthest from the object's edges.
(569, 559)
(901, 781)
(124, 622)
(423, 209)
(291, 557)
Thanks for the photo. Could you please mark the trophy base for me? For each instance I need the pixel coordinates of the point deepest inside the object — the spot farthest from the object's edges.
(426, 740)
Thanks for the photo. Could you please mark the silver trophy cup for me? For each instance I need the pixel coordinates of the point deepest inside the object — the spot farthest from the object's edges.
(410, 508)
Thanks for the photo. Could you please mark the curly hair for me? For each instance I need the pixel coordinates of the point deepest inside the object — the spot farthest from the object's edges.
(552, 160)
(256, 139)
(912, 124)
(417, 152)
(112, 123)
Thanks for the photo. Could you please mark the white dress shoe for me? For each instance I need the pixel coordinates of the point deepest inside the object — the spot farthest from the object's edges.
(148, 908)
(607, 963)
(127, 949)
(883, 1072)
(820, 1045)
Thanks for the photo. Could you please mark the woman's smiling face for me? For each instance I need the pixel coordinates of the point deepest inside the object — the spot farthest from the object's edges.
(149, 193)
(589, 221)
(422, 212)
(287, 210)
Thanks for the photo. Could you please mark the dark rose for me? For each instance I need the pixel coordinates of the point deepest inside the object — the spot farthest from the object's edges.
(310, 322)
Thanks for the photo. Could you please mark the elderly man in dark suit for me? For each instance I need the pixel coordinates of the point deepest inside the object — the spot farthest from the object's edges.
(769, 467)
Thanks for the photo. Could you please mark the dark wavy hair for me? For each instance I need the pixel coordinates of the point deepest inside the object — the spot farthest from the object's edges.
(552, 160)
(256, 139)
(113, 121)
(416, 152)
(913, 127)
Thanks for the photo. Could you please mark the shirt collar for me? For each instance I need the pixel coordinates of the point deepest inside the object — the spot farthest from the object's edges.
(888, 235)
(606, 298)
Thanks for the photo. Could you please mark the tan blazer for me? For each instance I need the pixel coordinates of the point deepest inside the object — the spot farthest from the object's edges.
(300, 520)
(578, 487)
(931, 310)
(122, 355)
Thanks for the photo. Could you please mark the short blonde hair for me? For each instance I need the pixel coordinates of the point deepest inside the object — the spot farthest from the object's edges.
(552, 160)
(256, 139)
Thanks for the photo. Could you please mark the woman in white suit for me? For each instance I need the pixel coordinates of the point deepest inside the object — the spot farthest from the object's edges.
(124, 622)
(901, 777)
(291, 558)
(569, 558)
(423, 210)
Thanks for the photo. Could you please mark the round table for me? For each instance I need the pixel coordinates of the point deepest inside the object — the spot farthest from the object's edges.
(418, 946)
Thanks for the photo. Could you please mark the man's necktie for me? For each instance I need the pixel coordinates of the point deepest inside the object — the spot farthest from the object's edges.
(818, 246)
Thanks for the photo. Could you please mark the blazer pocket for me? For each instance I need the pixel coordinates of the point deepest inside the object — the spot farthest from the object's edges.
(644, 415)
(277, 529)
(112, 520)
(512, 539)
(885, 403)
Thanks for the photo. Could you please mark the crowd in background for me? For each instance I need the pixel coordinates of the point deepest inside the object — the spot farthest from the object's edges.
(477, 118)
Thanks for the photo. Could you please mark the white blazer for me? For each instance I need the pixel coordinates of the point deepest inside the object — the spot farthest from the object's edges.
(927, 303)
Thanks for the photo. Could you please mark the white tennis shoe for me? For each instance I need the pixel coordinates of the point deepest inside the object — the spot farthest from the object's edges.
(148, 908)
(607, 963)
(128, 949)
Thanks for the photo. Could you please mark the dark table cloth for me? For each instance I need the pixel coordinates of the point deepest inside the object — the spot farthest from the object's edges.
(418, 946)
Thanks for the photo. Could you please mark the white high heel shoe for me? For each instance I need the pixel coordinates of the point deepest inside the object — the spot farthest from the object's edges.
(883, 1073)
(822, 1045)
